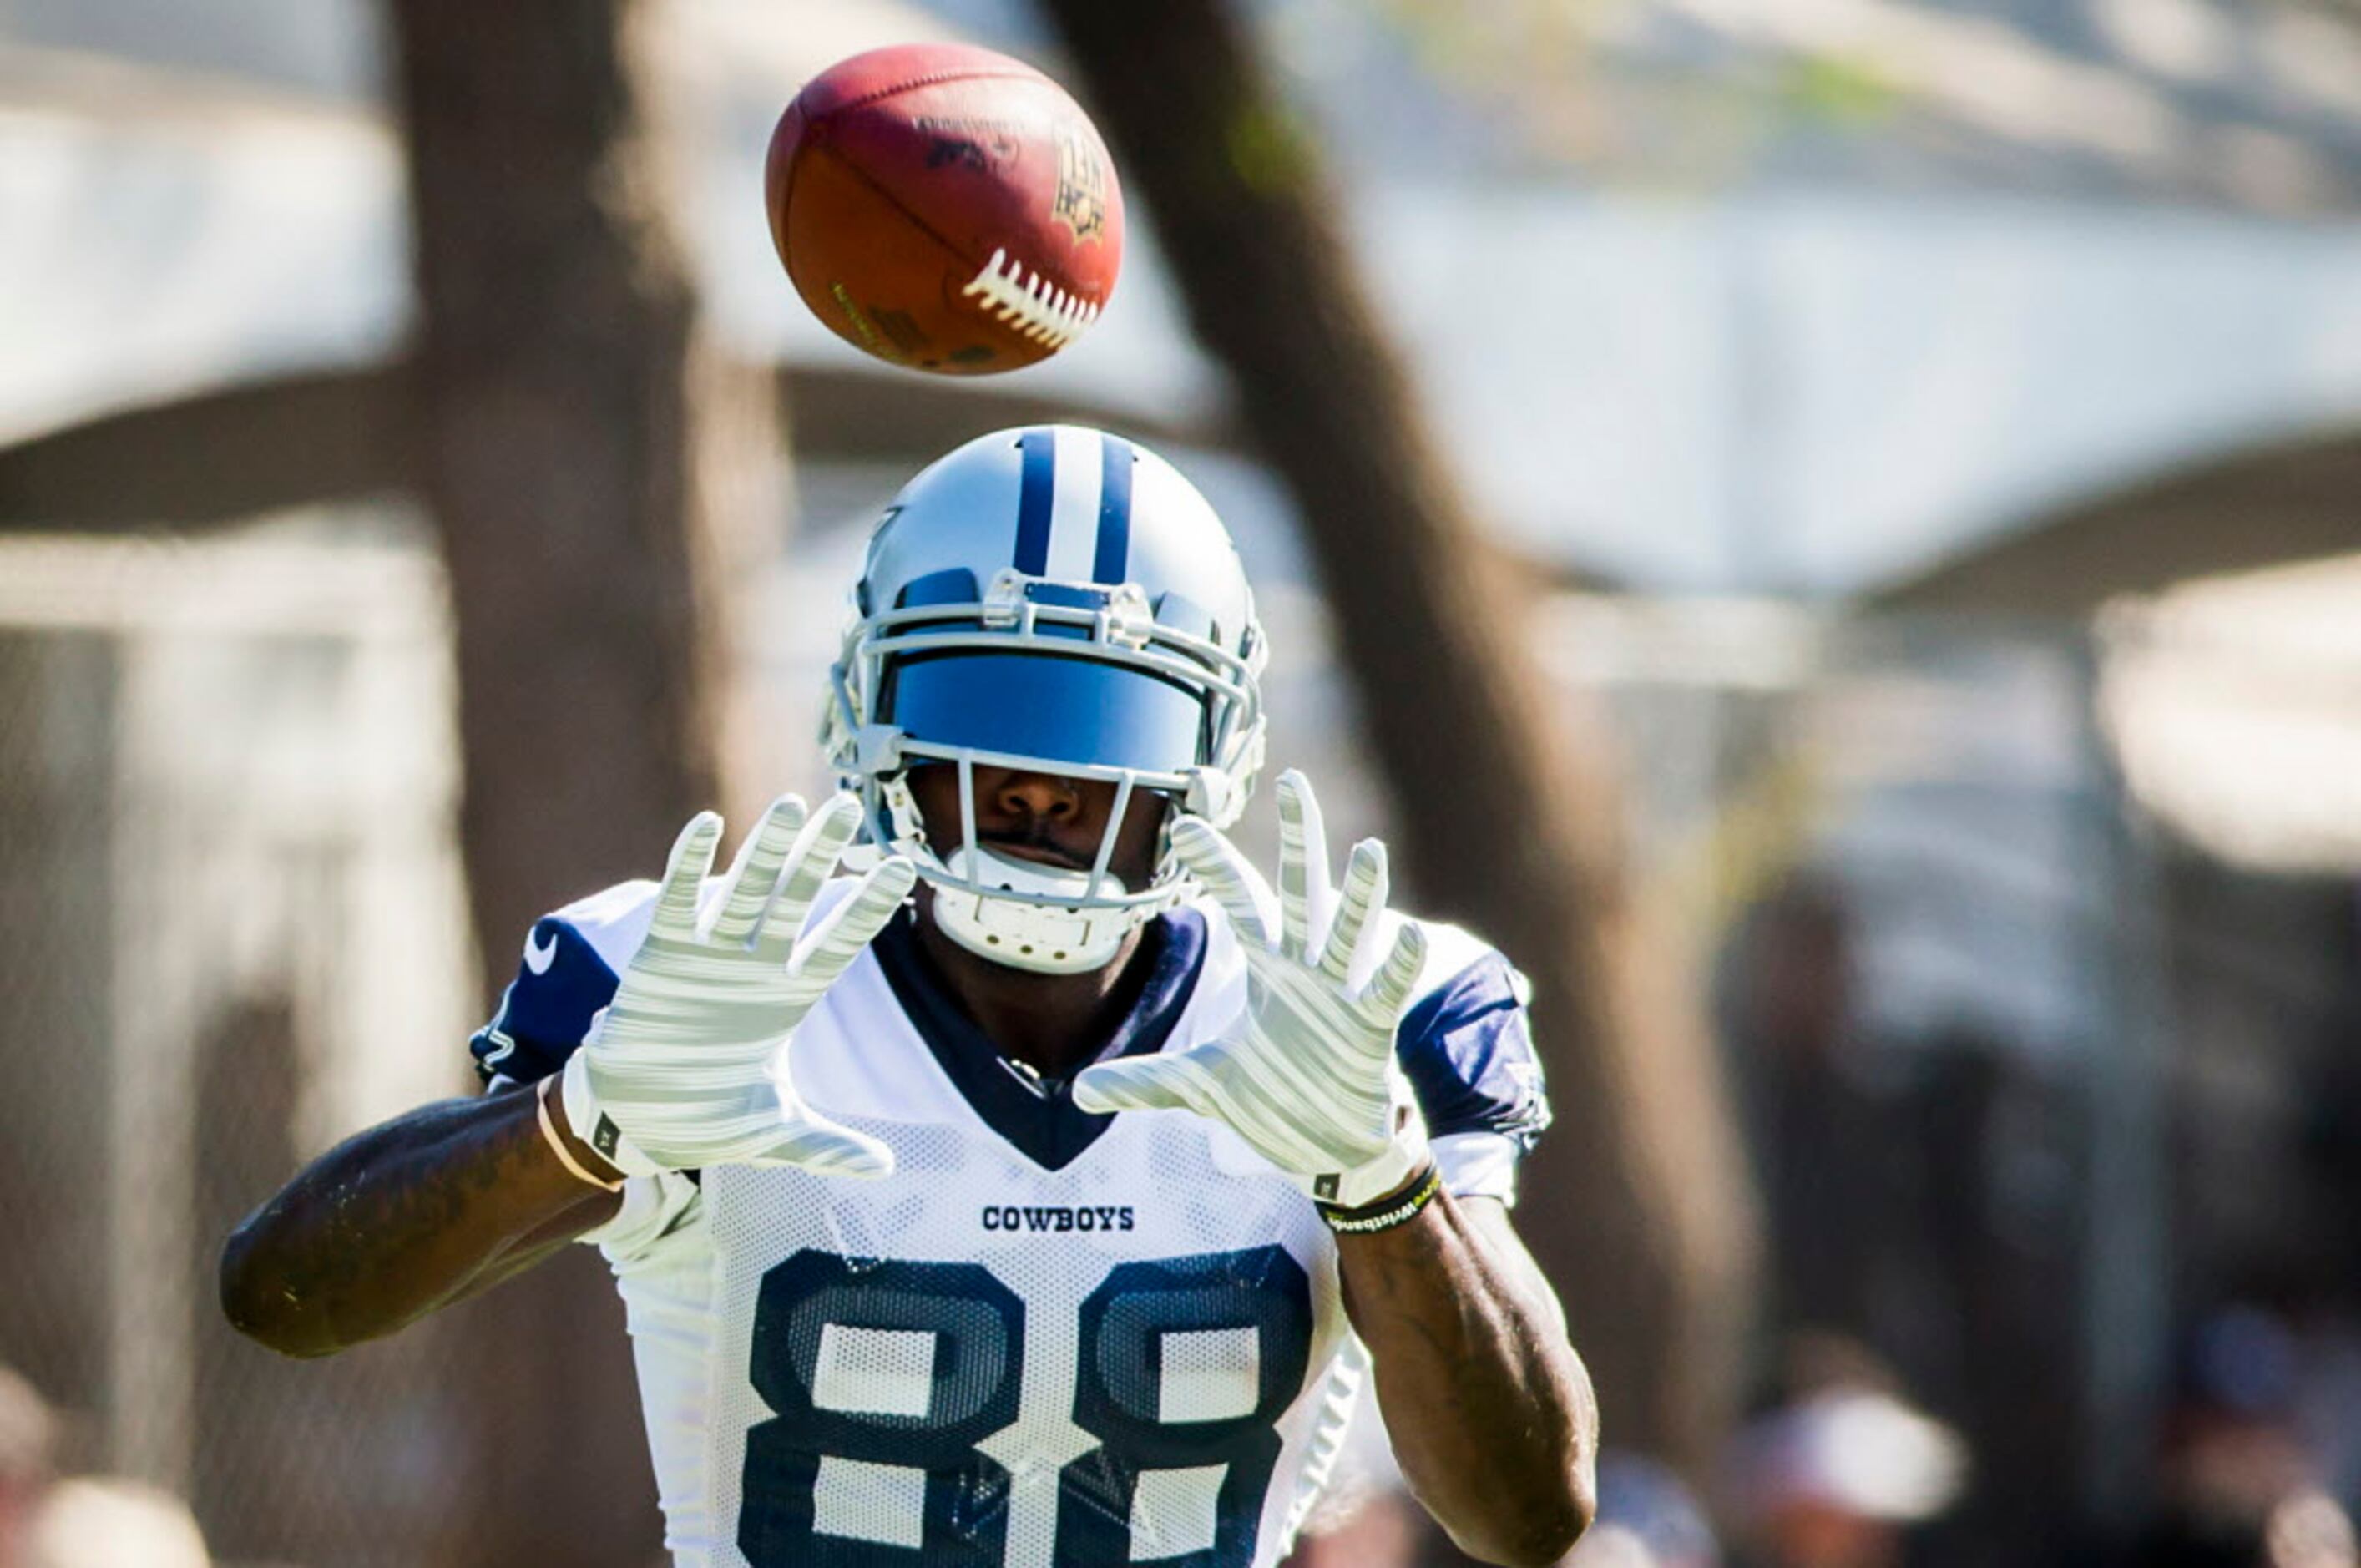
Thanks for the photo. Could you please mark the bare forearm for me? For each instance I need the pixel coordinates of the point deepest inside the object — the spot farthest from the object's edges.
(400, 1220)
(1488, 1409)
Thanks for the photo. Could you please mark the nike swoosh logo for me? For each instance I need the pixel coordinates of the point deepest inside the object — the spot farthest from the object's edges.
(540, 955)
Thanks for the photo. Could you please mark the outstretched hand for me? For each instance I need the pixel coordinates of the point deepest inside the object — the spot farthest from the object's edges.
(1310, 1079)
(690, 1066)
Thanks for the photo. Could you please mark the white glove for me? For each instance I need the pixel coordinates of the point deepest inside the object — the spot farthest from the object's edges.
(690, 1067)
(1310, 1082)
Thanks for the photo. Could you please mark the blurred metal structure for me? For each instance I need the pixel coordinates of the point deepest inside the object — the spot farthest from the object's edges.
(2066, 1063)
(1665, 270)
(233, 890)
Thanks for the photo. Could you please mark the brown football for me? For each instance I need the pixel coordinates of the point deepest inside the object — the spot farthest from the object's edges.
(945, 208)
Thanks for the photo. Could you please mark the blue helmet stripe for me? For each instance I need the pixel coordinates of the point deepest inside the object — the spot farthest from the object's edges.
(1114, 555)
(1039, 487)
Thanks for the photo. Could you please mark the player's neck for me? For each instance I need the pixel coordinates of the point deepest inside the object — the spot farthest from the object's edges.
(1054, 1024)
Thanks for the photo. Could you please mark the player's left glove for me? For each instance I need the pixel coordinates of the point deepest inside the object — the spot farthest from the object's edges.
(1310, 1079)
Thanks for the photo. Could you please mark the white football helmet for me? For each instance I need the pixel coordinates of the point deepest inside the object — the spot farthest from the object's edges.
(1061, 601)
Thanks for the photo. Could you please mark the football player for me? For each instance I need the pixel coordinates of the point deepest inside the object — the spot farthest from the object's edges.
(1044, 1190)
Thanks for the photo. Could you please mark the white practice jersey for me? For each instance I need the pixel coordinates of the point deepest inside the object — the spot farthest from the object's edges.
(1049, 1337)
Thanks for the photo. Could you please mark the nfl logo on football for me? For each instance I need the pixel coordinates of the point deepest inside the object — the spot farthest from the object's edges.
(1081, 202)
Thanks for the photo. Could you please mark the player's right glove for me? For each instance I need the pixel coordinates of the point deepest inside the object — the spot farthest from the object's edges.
(689, 1068)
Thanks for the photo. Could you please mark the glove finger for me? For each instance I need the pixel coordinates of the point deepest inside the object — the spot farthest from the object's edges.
(1304, 899)
(1390, 991)
(685, 872)
(1366, 884)
(823, 954)
(1140, 1083)
(822, 1147)
(1230, 877)
(810, 863)
(754, 875)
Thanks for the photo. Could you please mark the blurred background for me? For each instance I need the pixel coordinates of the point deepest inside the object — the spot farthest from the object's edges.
(1829, 528)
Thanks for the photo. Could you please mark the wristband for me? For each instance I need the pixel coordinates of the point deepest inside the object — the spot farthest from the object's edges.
(557, 1144)
(1387, 1212)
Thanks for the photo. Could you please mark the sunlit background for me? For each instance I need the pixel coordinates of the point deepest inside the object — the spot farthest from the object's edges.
(1926, 442)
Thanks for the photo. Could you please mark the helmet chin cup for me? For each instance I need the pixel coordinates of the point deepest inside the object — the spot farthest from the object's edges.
(1018, 913)
(1046, 939)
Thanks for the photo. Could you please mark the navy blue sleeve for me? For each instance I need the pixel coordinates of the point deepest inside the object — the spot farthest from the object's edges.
(1468, 1050)
(560, 985)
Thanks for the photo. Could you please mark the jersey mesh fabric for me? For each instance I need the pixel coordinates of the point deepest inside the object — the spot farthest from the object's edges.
(1155, 1190)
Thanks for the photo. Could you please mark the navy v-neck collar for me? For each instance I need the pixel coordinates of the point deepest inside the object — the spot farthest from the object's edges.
(1037, 1115)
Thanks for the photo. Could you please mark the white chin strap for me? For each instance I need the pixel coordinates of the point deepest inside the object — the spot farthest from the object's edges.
(1046, 939)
